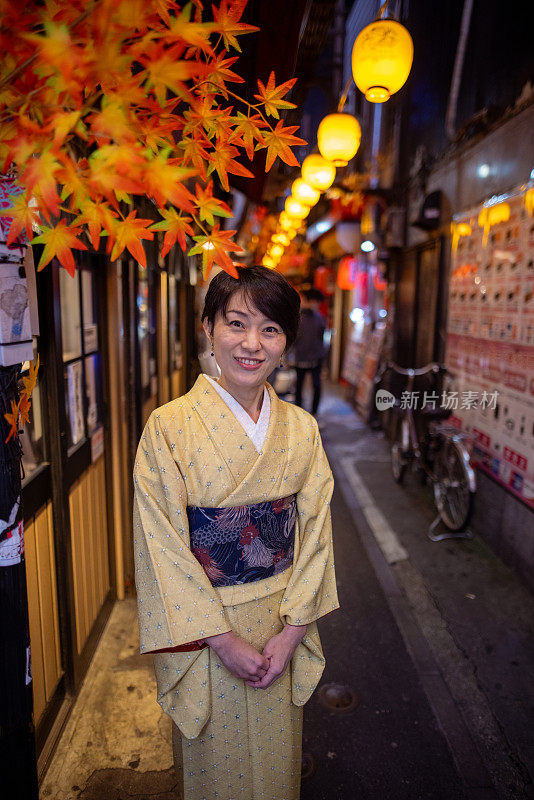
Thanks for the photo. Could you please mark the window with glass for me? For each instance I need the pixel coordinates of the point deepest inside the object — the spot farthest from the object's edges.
(146, 329)
(82, 368)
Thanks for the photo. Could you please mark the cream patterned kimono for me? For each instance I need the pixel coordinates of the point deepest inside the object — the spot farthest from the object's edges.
(236, 741)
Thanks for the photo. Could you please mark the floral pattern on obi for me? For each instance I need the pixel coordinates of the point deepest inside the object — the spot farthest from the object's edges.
(244, 543)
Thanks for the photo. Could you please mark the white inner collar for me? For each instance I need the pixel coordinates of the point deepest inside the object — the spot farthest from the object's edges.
(256, 431)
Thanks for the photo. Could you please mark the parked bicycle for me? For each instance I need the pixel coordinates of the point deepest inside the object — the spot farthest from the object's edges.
(422, 440)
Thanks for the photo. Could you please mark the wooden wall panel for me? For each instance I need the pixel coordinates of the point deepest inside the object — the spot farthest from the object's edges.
(89, 548)
(42, 608)
(34, 613)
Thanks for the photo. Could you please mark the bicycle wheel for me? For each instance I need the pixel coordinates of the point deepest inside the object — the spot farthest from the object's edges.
(399, 461)
(452, 486)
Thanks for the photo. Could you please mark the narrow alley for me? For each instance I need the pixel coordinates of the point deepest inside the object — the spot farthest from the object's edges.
(430, 663)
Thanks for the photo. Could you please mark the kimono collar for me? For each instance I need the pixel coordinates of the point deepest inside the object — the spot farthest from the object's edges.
(256, 431)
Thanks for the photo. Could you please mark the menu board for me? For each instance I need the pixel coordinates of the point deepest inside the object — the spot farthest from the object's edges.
(490, 336)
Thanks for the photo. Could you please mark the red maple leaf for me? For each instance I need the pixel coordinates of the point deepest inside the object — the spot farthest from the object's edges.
(58, 243)
(215, 248)
(176, 227)
(278, 143)
(128, 233)
(271, 95)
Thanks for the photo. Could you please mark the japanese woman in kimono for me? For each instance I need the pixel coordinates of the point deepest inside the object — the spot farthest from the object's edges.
(233, 549)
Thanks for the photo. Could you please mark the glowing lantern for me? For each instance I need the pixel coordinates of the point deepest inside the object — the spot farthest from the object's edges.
(318, 172)
(268, 262)
(288, 223)
(338, 138)
(346, 274)
(281, 238)
(276, 251)
(295, 209)
(381, 59)
(492, 215)
(304, 193)
(323, 280)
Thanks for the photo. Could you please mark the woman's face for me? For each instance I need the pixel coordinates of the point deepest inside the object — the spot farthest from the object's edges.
(247, 345)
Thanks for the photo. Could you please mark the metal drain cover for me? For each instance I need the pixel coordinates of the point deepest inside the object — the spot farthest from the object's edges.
(337, 697)
(308, 766)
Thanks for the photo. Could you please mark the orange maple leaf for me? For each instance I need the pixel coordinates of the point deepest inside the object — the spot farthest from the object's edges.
(194, 153)
(278, 143)
(271, 95)
(31, 380)
(111, 122)
(226, 23)
(13, 420)
(195, 34)
(204, 115)
(58, 242)
(23, 215)
(214, 248)
(175, 226)
(96, 216)
(163, 179)
(63, 123)
(24, 409)
(208, 205)
(222, 160)
(248, 129)
(217, 72)
(165, 71)
(71, 176)
(39, 179)
(128, 233)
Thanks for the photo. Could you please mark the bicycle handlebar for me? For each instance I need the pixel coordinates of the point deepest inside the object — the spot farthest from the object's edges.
(411, 373)
(432, 367)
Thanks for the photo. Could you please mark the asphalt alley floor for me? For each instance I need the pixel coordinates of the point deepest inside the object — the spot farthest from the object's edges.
(434, 642)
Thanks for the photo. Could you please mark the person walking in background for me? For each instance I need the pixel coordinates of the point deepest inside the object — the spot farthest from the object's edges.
(309, 347)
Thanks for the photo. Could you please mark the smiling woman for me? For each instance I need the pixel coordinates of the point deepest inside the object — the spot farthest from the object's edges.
(234, 553)
(250, 323)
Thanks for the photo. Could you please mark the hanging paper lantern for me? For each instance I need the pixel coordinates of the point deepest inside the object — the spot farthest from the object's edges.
(276, 251)
(346, 274)
(282, 239)
(295, 209)
(381, 59)
(289, 233)
(318, 172)
(323, 280)
(287, 223)
(304, 193)
(338, 138)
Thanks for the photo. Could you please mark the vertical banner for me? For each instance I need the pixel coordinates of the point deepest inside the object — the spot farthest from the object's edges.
(490, 335)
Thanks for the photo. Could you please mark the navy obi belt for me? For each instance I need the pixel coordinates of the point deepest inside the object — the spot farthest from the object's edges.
(244, 543)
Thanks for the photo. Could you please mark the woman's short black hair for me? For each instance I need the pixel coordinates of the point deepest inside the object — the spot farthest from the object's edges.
(264, 289)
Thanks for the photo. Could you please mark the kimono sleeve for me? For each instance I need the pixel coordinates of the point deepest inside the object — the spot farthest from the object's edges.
(311, 592)
(176, 602)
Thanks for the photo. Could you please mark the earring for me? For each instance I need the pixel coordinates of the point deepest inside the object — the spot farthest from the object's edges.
(211, 353)
(281, 363)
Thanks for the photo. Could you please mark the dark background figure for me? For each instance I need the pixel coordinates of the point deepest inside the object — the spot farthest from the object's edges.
(309, 347)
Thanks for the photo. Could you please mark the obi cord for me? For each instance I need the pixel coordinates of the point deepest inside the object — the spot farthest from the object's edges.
(244, 543)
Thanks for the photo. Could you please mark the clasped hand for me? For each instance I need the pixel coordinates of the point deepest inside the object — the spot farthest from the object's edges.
(258, 670)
